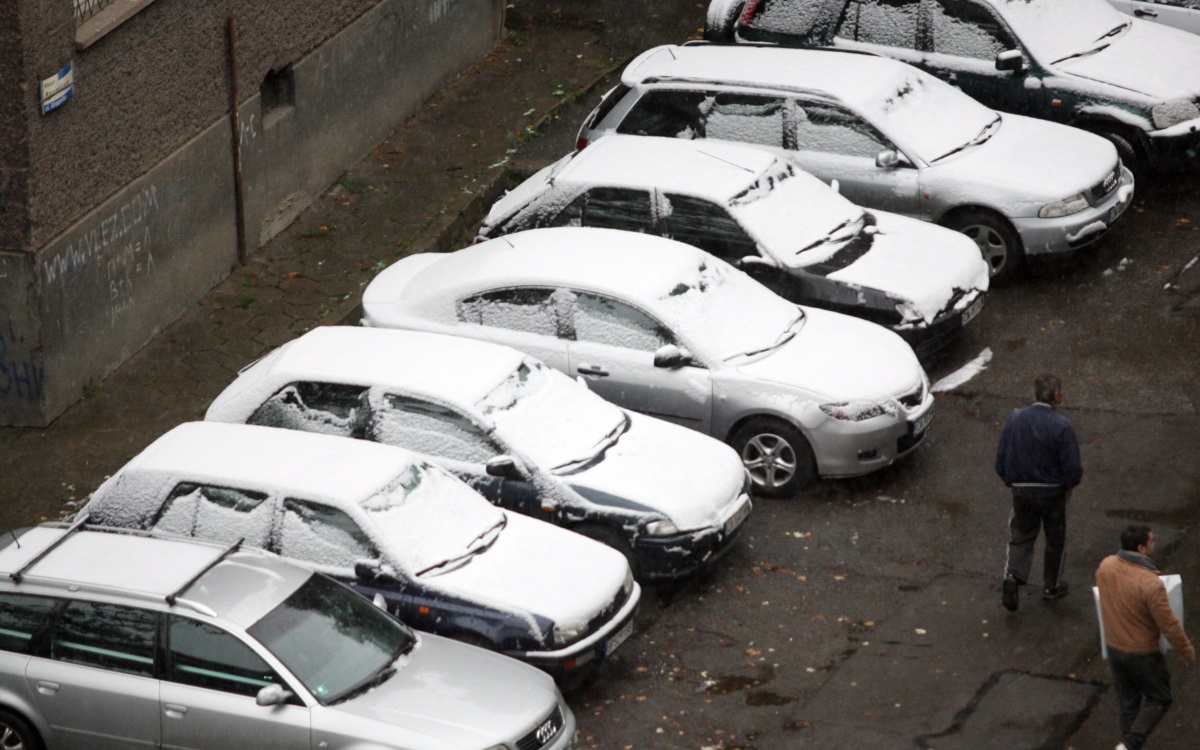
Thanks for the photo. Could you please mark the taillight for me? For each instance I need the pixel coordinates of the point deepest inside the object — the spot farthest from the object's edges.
(581, 143)
(748, 12)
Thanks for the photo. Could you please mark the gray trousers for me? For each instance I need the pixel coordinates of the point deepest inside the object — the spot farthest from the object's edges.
(1030, 515)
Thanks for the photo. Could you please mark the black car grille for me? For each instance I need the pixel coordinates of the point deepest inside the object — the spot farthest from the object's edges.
(545, 731)
(913, 399)
(1105, 187)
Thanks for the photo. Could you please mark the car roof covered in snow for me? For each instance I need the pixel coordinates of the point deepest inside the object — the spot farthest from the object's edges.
(449, 369)
(637, 268)
(294, 462)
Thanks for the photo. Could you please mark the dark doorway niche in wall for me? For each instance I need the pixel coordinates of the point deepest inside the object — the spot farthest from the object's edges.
(278, 93)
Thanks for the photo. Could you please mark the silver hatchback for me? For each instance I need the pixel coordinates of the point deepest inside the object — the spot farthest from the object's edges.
(120, 640)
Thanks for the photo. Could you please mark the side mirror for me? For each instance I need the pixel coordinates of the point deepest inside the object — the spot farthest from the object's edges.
(888, 159)
(272, 695)
(1010, 60)
(670, 356)
(503, 467)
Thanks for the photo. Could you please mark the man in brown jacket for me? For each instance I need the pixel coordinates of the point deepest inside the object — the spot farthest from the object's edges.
(1134, 605)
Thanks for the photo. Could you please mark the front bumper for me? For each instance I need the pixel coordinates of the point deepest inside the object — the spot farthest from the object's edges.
(1176, 147)
(928, 339)
(681, 555)
(591, 648)
(1067, 233)
(852, 449)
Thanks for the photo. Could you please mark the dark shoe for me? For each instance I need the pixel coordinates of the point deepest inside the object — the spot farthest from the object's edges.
(1010, 596)
(1058, 592)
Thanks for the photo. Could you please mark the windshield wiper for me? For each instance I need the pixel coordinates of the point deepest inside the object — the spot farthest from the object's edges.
(982, 137)
(1114, 31)
(1085, 53)
(787, 335)
(598, 451)
(380, 676)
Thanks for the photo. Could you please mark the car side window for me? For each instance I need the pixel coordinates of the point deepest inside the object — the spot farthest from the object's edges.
(322, 535)
(204, 656)
(429, 428)
(671, 114)
(609, 208)
(707, 226)
(965, 29)
(222, 514)
(120, 639)
(529, 309)
(21, 617)
(750, 118)
(328, 408)
(832, 130)
(603, 320)
(890, 23)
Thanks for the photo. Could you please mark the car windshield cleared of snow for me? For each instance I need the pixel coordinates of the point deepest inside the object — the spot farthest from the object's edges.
(336, 642)
(931, 117)
(797, 218)
(551, 418)
(1055, 30)
(727, 312)
(433, 518)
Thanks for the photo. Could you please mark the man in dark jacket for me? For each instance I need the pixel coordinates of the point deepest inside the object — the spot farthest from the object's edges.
(1135, 611)
(1038, 458)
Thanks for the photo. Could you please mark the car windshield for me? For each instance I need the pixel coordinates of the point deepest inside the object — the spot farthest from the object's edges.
(728, 313)
(1056, 30)
(431, 521)
(796, 218)
(931, 118)
(551, 418)
(333, 640)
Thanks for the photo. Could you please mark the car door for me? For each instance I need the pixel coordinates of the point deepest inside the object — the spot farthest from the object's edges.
(834, 142)
(613, 350)
(210, 680)
(963, 38)
(524, 317)
(1179, 14)
(217, 513)
(94, 677)
(883, 27)
(327, 408)
(608, 208)
(454, 441)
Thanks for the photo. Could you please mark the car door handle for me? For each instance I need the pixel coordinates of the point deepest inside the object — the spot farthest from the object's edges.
(47, 688)
(174, 710)
(1144, 13)
(599, 372)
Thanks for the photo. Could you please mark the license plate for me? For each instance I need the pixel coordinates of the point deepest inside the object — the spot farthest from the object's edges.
(736, 520)
(970, 313)
(622, 635)
(1116, 211)
(917, 427)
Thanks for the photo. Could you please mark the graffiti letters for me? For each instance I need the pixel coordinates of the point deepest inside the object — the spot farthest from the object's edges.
(22, 379)
(93, 241)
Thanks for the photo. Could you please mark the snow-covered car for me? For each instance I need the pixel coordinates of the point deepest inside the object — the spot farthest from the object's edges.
(528, 438)
(759, 212)
(386, 522)
(1078, 62)
(664, 328)
(894, 138)
(1180, 14)
(119, 639)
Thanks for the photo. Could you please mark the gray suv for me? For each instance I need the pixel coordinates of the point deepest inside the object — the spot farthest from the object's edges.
(120, 639)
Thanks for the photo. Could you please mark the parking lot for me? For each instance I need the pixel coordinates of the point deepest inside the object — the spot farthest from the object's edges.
(862, 614)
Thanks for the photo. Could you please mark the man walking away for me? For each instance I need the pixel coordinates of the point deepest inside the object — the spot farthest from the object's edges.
(1135, 611)
(1038, 458)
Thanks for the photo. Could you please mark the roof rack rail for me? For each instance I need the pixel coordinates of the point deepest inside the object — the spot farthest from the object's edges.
(18, 574)
(170, 598)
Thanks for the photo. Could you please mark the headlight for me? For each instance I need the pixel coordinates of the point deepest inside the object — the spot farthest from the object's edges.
(627, 586)
(661, 527)
(564, 634)
(908, 312)
(1066, 207)
(1173, 112)
(856, 411)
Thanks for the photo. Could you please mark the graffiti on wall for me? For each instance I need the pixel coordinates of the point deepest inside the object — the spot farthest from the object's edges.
(19, 378)
(116, 245)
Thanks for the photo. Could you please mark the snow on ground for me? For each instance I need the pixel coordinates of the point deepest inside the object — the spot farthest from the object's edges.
(964, 373)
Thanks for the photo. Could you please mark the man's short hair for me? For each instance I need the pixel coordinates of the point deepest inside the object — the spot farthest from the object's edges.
(1134, 536)
(1045, 386)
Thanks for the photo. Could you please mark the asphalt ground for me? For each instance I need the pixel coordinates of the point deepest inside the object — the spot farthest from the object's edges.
(864, 614)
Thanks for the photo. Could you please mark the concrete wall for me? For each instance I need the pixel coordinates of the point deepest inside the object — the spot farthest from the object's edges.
(96, 284)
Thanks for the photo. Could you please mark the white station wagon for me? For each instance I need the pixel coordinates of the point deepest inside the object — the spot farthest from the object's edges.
(893, 137)
(668, 330)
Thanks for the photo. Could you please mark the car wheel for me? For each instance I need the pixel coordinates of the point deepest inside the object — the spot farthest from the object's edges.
(998, 242)
(16, 734)
(726, 32)
(1130, 157)
(608, 537)
(777, 455)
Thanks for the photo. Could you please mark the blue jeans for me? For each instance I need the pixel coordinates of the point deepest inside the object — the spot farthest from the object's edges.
(1143, 687)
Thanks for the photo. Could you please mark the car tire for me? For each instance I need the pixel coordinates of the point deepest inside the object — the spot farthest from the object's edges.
(777, 455)
(727, 32)
(16, 734)
(610, 538)
(998, 242)
(1130, 156)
